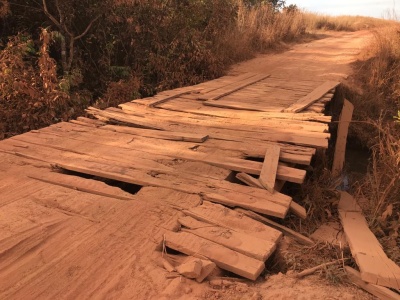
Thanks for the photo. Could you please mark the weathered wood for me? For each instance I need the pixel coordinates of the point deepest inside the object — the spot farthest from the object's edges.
(217, 94)
(375, 266)
(154, 151)
(238, 241)
(297, 236)
(313, 139)
(223, 257)
(146, 173)
(315, 95)
(341, 140)
(224, 217)
(269, 167)
(297, 209)
(376, 290)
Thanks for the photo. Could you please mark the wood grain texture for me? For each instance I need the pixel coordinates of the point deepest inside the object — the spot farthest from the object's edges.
(314, 96)
(269, 168)
(375, 266)
(341, 140)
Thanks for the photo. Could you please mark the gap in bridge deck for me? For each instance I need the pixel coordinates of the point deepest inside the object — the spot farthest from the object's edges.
(130, 188)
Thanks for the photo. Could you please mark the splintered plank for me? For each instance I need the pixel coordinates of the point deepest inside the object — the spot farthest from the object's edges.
(376, 290)
(269, 167)
(375, 266)
(297, 236)
(314, 139)
(223, 257)
(147, 172)
(238, 241)
(341, 140)
(314, 96)
(217, 94)
(297, 209)
(222, 216)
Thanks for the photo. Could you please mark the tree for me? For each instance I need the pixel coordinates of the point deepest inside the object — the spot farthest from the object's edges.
(63, 20)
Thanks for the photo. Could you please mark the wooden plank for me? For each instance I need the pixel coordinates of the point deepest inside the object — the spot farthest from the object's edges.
(217, 94)
(223, 257)
(83, 185)
(297, 236)
(376, 290)
(269, 167)
(315, 95)
(298, 137)
(194, 107)
(256, 125)
(213, 189)
(237, 241)
(154, 152)
(295, 208)
(341, 140)
(121, 136)
(224, 217)
(375, 266)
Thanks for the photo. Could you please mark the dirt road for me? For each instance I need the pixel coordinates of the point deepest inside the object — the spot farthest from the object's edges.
(59, 243)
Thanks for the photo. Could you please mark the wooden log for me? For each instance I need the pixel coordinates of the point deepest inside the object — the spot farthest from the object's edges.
(315, 95)
(269, 168)
(375, 266)
(341, 140)
(223, 257)
(376, 290)
(297, 236)
(238, 241)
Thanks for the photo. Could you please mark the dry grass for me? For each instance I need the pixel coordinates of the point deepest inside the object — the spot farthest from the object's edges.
(377, 74)
(342, 23)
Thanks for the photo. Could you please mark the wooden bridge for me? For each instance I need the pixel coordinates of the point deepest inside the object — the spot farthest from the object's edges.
(85, 203)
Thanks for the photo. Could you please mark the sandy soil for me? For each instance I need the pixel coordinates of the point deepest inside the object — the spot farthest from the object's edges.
(57, 243)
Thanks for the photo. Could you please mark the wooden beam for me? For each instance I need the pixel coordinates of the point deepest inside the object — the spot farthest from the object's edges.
(224, 217)
(376, 290)
(269, 167)
(217, 94)
(238, 241)
(341, 140)
(223, 257)
(375, 266)
(297, 236)
(295, 208)
(314, 96)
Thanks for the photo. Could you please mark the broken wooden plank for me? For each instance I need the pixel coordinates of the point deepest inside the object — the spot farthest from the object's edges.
(223, 257)
(297, 209)
(224, 217)
(269, 167)
(217, 94)
(376, 290)
(315, 95)
(238, 241)
(219, 131)
(297, 236)
(341, 140)
(375, 266)
(136, 148)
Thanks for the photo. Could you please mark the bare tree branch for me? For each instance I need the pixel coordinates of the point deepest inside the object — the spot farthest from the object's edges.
(87, 28)
(54, 20)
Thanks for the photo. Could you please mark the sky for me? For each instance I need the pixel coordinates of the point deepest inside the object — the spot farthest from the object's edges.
(370, 8)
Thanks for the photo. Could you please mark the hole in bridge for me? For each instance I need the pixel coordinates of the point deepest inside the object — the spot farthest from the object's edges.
(127, 187)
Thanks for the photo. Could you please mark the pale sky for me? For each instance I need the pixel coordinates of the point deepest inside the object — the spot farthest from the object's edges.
(371, 8)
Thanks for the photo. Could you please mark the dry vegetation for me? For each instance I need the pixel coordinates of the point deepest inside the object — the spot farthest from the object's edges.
(375, 126)
(115, 51)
